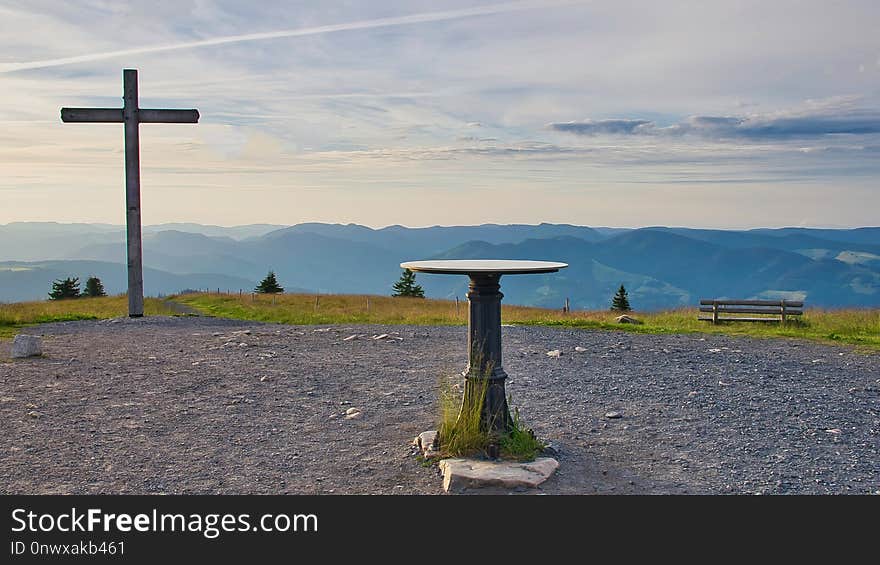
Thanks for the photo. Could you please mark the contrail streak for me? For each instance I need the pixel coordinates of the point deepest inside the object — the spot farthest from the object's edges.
(350, 26)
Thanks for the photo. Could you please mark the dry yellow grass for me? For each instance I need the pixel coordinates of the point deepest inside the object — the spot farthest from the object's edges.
(852, 326)
(20, 314)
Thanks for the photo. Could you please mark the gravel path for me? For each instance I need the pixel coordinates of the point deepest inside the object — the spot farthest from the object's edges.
(205, 405)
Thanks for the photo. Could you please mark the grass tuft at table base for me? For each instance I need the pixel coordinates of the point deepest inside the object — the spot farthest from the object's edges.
(460, 433)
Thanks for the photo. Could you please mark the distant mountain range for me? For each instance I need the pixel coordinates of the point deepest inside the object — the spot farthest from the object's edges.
(661, 267)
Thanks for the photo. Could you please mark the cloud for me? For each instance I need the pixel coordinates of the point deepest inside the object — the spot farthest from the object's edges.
(855, 123)
(349, 26)
(816, 119)
(602, 127)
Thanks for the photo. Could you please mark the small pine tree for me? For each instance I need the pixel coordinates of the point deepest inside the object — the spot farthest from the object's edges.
(66, 288)
(407, 286)
(620, 302)
(94, 287)
(269, 285)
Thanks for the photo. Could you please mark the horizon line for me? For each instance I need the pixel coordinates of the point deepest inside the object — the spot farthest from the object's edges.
(377, 228)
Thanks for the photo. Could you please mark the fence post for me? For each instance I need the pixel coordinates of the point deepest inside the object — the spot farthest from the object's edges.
(316, 302)
(368, 305)
(783, 311)
(456, 305)
(714, 312)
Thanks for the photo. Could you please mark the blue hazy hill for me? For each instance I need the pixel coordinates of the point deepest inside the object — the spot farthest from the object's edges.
(661, 267)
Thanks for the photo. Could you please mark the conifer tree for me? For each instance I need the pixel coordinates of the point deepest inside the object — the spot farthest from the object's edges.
(269, 285)
(66, 288)
(620, 302)
(407, 286)
(94, 287)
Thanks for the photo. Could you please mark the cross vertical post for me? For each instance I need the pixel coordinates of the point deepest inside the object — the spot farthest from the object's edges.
(133, 193)
(132, 115)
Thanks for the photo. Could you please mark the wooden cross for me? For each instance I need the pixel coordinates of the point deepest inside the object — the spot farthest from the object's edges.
(132, 117)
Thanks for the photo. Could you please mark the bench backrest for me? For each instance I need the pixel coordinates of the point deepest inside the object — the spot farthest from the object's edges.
(776, 303)
(782, 308)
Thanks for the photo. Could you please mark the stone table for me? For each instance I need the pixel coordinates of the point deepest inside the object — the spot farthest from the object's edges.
(484, 328)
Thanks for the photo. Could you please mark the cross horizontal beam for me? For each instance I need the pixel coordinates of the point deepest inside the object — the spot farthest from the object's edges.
(144, 115)
(147, 116)
(91, 115)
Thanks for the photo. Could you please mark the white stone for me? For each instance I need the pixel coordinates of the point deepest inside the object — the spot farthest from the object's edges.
(626, 320)
(26, 346)
(351, 411)
(554, 353)
(425, 439)
(580, 349)
(460, 474)
(613, 415)
(425, 442)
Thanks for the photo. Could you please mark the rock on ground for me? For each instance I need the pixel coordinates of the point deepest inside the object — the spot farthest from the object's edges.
(425, 442)
(461, 474)
(26, 346)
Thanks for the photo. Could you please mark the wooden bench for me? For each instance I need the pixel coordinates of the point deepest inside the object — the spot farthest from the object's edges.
(772, 310)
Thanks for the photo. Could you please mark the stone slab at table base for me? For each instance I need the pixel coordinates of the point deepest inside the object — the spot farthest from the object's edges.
(460, 474)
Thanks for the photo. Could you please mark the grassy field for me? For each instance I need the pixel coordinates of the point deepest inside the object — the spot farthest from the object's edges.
(855, 326)
(14, 317)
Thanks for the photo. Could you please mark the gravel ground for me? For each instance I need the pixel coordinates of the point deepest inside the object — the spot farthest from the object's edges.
(205, 405)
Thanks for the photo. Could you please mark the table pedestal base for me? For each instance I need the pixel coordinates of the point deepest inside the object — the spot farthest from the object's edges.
(485, 376)
(494, 412)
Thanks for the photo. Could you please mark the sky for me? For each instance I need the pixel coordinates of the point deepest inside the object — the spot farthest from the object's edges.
(604, 113)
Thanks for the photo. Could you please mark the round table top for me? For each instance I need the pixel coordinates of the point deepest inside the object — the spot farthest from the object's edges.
(483, 266)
